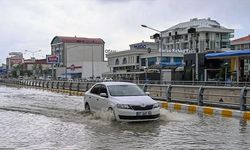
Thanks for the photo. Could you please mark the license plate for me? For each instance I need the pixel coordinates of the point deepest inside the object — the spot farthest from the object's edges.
(144, 113)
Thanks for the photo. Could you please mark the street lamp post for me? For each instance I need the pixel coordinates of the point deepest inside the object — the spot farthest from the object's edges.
(33, 57)
(33, 52)
(92, 62)
(225, 64)
(161, 42)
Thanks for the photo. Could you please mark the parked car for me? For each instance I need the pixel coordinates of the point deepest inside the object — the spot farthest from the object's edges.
(20, 77)
(106, 79)
(90, 79)
(126, 101)
(49, 78)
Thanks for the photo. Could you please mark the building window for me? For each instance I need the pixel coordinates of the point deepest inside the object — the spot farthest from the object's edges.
(177, 46)
(186, 37)
(117, 61)
(124, 61)
(178, 59)
(165, 59)
(217, 35)
(217, 44)
(137, 59)
(143, 62)
(164, 46)
(185, 46)
(152, 61)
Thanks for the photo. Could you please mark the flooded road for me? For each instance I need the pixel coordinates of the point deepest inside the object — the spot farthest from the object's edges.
(37, 119)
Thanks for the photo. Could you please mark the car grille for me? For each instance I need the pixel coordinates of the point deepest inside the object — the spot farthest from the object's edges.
(136, 107)
(139, 117)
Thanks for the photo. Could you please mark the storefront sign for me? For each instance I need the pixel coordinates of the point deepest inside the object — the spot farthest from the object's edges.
(52, 59)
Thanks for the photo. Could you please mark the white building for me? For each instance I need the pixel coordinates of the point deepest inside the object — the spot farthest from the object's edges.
(15, 58)
(135, 63)
(200, 34)
(79, 57)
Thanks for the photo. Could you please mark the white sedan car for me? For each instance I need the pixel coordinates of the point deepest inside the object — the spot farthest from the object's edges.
(125, 100)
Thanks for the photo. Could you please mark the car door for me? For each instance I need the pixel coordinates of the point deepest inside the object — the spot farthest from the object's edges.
(93, 97)
(103, 102)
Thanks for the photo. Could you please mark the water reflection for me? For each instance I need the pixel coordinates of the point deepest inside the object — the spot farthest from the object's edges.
(243, 125)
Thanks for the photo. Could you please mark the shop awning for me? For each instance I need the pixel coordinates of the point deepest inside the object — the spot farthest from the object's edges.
(230, 53)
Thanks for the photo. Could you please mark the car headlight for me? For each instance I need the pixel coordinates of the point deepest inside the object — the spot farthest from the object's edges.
(123, 106)
(156, 105)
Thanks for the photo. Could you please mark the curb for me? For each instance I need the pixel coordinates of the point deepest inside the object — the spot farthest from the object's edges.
(206, 110)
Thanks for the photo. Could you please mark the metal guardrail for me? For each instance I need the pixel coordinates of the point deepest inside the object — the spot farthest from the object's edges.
(219, 96)
(227, 97)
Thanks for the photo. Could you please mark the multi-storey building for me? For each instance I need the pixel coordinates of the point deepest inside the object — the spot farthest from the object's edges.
(197, 37)
(38, 67)
(200, 34)
(79, 57)
(142, 58)
(15, 58)
(243, 43)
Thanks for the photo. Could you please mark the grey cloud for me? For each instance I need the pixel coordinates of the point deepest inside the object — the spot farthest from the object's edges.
(32, 24)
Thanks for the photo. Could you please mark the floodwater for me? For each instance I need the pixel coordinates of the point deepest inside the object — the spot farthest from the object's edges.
(37, 119)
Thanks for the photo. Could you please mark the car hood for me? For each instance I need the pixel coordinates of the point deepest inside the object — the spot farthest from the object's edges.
(134, 100)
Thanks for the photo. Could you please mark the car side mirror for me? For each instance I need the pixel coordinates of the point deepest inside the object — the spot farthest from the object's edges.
(147, 93)
(104, 95)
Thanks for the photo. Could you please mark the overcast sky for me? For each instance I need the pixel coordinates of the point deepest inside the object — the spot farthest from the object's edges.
(31, 24)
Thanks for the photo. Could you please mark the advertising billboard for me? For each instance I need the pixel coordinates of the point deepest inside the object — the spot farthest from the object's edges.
(52, 59)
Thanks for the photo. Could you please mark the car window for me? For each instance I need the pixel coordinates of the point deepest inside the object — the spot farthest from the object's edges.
(103, 89)
(96, 89)
(125, 90)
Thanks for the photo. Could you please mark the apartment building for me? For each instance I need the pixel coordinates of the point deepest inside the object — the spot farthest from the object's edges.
(197, 34)
(79, 57)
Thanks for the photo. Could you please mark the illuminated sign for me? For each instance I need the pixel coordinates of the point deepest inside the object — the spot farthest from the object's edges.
(179, 51)
(140, 46)
(107, 51)
(52, 59)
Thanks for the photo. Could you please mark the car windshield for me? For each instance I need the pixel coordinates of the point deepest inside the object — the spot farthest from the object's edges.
(125, 90)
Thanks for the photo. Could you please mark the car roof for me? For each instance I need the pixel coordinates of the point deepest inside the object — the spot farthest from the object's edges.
(116, 83)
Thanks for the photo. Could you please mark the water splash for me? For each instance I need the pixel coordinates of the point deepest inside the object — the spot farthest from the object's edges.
(167, 115)
(103, 115)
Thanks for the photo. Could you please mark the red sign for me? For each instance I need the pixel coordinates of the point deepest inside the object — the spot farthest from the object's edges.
(52, 59)
(15, 61)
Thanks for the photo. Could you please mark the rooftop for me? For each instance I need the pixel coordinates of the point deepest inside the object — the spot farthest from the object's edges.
(241, 40)
(83, 40)
(197, 23)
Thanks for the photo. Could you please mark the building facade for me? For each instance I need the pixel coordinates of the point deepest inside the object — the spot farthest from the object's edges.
(142, 63)
(38, 67)
(197, 34)
(14, 59)
(196, 38)
(243, 43)
(79, 57)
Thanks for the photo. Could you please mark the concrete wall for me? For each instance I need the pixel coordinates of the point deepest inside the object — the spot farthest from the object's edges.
(84, 52)
(86, 68)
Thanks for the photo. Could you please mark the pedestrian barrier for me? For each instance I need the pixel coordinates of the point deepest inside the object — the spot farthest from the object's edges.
(225, 97)
(230, 101)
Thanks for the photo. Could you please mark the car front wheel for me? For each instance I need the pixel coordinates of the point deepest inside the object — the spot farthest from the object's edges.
(112, 114)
